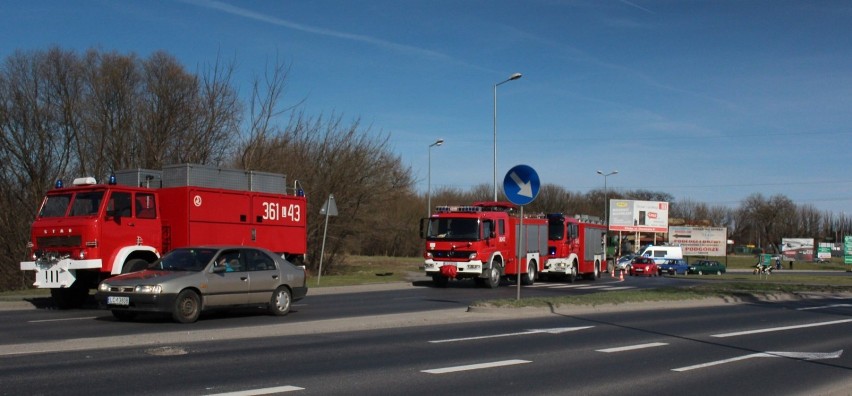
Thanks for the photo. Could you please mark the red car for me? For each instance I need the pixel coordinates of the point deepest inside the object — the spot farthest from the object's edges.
(643, 266)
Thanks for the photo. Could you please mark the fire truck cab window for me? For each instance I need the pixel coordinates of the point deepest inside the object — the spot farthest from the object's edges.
(146, 206)
(556, 230)
(119, 205)
(55, 205)
(87, 203)
(455, 229)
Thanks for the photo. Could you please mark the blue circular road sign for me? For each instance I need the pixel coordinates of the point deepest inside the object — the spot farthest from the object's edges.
(521, 184)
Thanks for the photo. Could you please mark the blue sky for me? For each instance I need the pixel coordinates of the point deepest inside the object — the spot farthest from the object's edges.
(707, 100)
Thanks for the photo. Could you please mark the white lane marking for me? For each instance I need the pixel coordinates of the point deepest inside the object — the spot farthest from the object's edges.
(534, 331)
(593, 287)
(475, 366)
(262, 391)
(566, 286)
(632, 347)
(794, 355)
(621, 288)
(61, 320)
(739, 333)
(825, 307)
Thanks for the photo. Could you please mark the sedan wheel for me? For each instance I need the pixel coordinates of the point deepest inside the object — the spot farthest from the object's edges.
(280, 303)
(187, 307)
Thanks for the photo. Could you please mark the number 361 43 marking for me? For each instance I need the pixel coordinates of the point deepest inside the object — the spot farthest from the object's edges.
(275, 211)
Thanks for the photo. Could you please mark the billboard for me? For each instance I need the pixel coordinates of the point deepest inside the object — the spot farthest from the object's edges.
(847, 249)
(824, 251)
(699, 241)
(798, 249)
(638, 216)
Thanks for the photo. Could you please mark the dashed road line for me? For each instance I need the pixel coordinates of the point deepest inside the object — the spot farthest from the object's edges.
(824, 307)
(477, 366)
(771, 329)
(632, 347)
(262, 391)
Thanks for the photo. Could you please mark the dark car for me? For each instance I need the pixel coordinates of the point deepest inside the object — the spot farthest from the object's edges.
(188, 280)
(643, 266)
(702, 267)
(673, 267)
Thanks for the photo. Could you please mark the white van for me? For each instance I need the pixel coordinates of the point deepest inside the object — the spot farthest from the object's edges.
(662, 253)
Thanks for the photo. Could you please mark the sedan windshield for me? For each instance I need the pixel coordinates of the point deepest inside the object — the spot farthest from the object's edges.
(185, 260)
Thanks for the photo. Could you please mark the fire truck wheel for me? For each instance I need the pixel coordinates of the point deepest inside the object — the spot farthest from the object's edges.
(279, 305)
(493, 277)
(572, 276)
(134, 265)
(529, 278)
(440, 280)
(187, 307)
(123, 316)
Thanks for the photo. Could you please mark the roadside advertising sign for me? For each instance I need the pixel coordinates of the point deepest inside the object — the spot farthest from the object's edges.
(699, 241)
(638, 216)
(847, 249)
(799, 249)
(824, 250)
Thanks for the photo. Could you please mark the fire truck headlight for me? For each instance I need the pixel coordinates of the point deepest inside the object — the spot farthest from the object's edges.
(472, 256)
(82, 255)
(148, 289)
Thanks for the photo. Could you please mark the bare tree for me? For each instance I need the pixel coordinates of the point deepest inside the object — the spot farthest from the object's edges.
(112, 93)
(34, 148)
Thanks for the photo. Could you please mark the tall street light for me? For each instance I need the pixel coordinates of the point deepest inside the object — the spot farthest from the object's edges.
(429, 182)
(512, 77)
(606, 209)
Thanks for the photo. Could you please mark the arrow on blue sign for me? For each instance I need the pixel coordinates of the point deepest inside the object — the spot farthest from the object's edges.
(525, 187)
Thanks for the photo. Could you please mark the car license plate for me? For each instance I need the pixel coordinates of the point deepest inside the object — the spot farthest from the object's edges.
(115, 300)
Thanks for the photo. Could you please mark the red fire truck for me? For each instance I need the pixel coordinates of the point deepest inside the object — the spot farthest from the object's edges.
(481, 241)
(88, 232)
(575, 248)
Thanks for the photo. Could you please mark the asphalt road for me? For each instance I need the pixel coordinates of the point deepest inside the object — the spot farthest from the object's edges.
(404, 339)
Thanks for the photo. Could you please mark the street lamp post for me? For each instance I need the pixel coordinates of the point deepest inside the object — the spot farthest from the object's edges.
(429, 178)
(512, 77)
(606, 209)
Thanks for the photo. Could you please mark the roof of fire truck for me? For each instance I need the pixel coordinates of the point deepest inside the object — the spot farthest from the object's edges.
(481, 206)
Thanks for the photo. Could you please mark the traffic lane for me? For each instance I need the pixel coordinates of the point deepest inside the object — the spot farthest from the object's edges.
(500, 356)
(34, 325)
(21, 326)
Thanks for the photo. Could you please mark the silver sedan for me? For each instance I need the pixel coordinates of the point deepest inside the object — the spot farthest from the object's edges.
(190, 280)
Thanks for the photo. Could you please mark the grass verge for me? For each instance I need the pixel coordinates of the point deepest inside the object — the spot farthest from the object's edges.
(365, 270)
